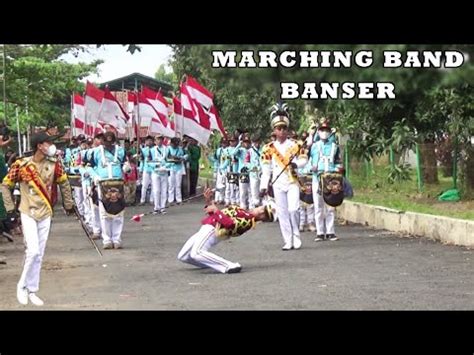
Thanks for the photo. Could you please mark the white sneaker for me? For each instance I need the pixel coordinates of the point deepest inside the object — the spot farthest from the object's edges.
(22, 295)
(296, 242)
(234, 269)
(287, 246)
(35, 299)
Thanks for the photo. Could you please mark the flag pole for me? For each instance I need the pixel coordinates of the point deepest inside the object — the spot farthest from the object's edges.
(182, 106)
(73, 128)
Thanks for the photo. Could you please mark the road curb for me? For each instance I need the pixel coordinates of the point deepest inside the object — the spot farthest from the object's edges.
(444, 229)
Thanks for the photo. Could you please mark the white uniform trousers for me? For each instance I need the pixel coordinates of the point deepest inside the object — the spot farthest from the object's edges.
(221, 184)
(196, 251)
(254, 191)
(86, 203)
(35, 236)
(79, 199)
(231, 193)
(95, 211)
(306, 214)
(244, 190)
(159, 185)
(324, 214)
(111, 226)
(174, 186)
(146, 182)
(287, 205)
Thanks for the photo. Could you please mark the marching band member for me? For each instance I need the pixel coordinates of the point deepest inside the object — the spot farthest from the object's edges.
(146, 168)
(108, 162)
(37, 175)
(253, 158)
(324, 157)
(159, 177)
(175, 158)
(217, 226)
(280, 159)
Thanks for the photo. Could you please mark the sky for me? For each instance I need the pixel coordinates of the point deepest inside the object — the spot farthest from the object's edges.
(118, 62)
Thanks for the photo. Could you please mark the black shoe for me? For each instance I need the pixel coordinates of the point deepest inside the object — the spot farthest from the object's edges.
(332, 237)
(234, 270)
(319, 238)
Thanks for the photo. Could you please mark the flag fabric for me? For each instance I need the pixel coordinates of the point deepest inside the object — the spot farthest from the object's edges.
(113, 113)
(150, 118)
(206, 99)
(199, 92)
(79, 114)
(137, 217)
(92, 103)
(132, 110)
(186, 124)
(192, 109)
(216, 122)
(158, 102)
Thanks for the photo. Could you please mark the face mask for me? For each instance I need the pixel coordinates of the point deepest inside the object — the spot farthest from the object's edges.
(324, 135)
(51, 150)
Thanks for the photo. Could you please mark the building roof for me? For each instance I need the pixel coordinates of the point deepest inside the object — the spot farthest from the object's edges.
(134, 81)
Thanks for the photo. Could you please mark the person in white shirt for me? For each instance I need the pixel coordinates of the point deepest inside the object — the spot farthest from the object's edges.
(279, 161)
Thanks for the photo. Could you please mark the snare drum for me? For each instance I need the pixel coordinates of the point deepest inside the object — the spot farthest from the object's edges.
(244, 178)
(233, 178)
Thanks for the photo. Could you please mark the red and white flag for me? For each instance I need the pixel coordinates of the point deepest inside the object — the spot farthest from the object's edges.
(186, 123)
(192, 109)
(113, 113)
(150, 118)
(79, 114)
(216, 122)
(199, 92)
(93, 103)
(206, 99)
(161, 107)
(132, 110)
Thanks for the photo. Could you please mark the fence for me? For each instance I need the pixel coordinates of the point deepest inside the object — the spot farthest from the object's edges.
(429, 168)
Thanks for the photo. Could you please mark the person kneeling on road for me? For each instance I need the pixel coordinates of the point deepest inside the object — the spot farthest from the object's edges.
(220, 225)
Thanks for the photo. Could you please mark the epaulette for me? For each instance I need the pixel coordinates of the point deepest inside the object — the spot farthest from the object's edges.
(268, 145)
(23, 161)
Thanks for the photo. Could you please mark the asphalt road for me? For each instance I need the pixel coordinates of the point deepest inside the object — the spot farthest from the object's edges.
(365, 270)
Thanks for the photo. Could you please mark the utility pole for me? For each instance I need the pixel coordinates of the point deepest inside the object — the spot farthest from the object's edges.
(3, 79)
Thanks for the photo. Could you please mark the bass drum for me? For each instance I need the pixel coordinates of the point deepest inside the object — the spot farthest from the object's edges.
(112, 195)
(332, 188)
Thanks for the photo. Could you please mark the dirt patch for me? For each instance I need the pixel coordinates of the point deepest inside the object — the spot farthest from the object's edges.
(58, 265)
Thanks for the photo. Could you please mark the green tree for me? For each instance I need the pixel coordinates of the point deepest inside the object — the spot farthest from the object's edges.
(38, 80)
(167, 76)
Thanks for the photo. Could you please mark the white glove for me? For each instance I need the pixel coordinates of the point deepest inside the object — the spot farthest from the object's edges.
(126, 168)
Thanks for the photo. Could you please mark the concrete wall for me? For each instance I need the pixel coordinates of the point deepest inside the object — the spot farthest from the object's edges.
(444, 229)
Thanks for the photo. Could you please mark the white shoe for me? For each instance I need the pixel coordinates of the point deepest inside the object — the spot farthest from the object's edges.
(35, 299)
(22, 295)
(296, 242)
(287, 246)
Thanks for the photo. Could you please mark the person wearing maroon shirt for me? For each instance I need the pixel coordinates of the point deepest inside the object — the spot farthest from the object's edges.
(220, 225)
